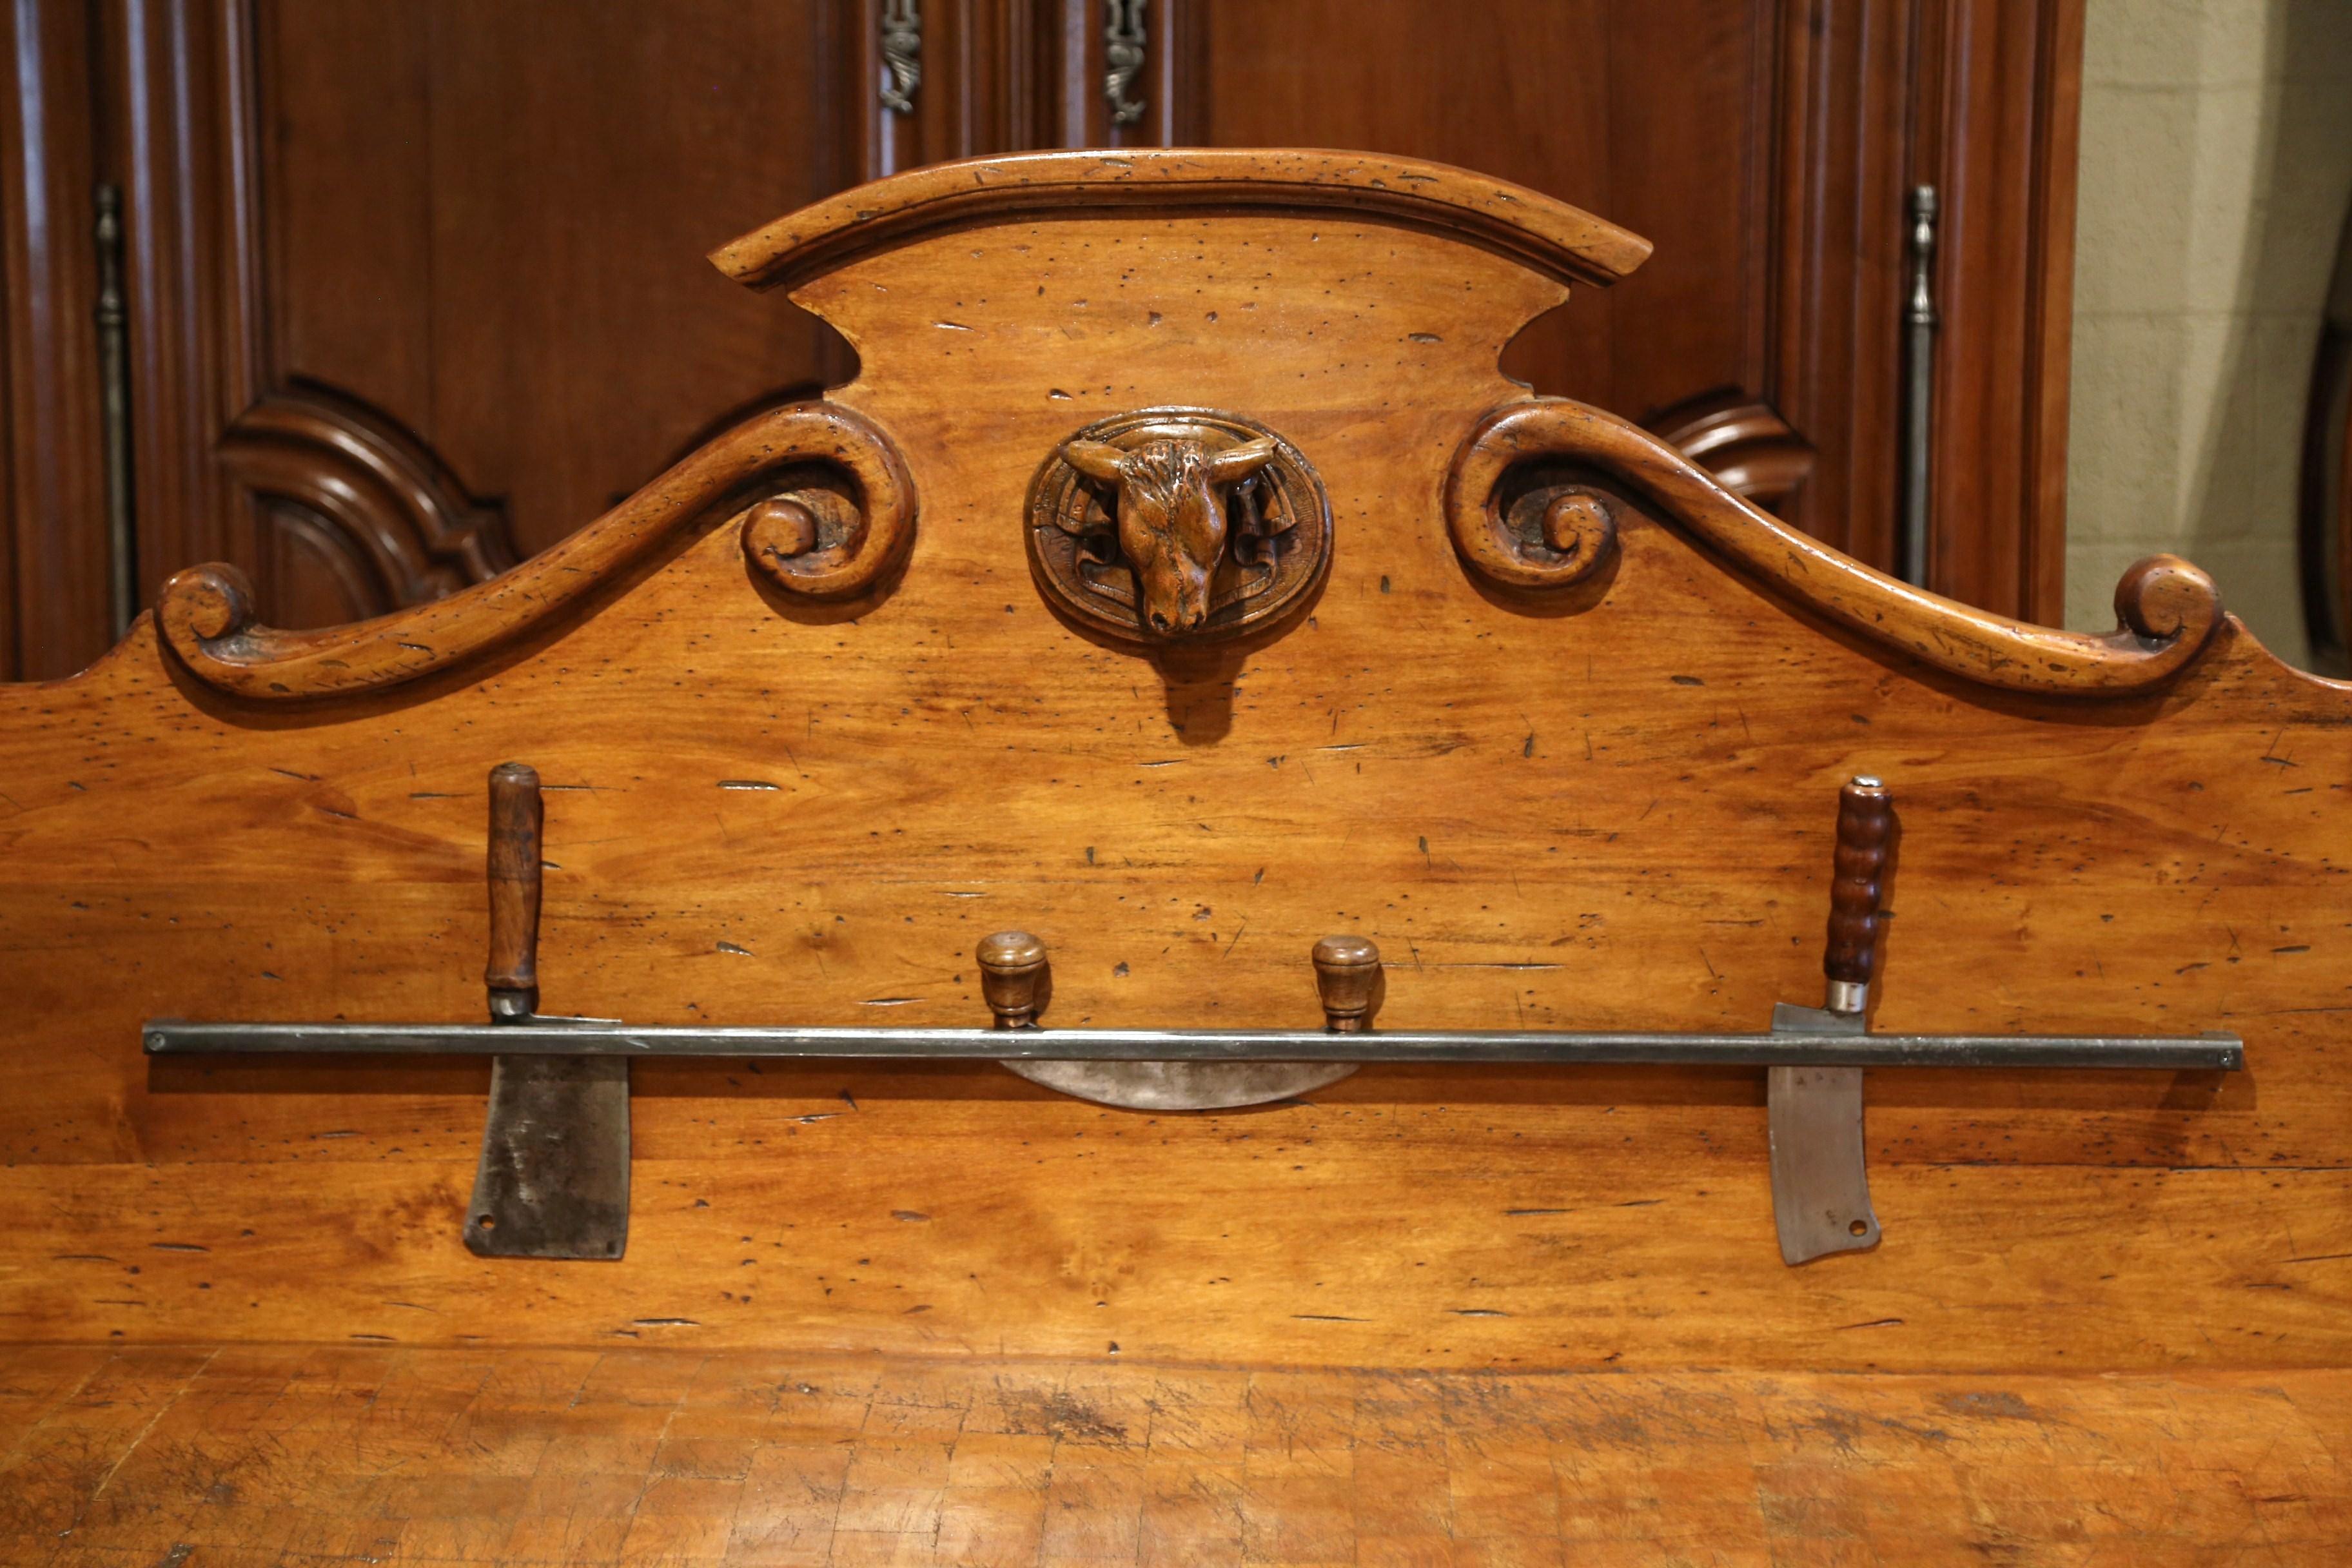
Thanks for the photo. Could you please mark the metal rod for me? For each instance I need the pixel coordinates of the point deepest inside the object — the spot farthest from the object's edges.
(2206, 1053)
(1919, 389)
(114, 393)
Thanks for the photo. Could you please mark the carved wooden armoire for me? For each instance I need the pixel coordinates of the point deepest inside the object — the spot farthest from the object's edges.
(1178, 925)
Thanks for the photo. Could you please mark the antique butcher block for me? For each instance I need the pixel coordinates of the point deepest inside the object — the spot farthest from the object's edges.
(1181, 666)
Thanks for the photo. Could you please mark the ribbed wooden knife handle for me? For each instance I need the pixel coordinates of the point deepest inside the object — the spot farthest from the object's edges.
(515, 819)
(1865, 821)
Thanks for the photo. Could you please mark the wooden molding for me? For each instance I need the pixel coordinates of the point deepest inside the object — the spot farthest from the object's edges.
(408, 530)
(1827, 292)
(193, 248)
(1996, 133)
(206, 614)
(2167, 608)
(1548, 236)
(54, 560)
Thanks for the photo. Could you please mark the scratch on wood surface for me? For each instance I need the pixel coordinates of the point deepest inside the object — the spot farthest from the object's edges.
(566, 1457)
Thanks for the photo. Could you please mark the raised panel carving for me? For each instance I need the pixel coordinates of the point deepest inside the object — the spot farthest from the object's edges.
(1751, 451)
(335, 193)
(356, 517)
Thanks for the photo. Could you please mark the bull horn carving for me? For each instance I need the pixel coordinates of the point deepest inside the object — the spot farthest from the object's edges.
(1173, 523)
(1099, 460)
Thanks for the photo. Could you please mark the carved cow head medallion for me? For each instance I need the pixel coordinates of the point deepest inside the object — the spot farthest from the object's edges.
(1177, 523)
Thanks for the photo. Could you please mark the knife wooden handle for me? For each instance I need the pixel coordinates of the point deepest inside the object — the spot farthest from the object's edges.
(1864, 823)
(516, 815)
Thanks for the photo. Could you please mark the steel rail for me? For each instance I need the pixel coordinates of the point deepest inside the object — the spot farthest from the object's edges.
(597, 1038)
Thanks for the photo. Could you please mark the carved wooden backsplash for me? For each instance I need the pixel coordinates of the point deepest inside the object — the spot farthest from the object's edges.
(1558, 731)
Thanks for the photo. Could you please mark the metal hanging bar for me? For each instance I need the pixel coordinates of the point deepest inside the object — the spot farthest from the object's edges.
(554, 1177)
(1798, 1047)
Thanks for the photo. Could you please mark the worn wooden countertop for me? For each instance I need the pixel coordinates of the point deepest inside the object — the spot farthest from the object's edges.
(206, 1456)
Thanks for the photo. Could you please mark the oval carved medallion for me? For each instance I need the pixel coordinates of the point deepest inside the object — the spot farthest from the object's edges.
(1163, 525)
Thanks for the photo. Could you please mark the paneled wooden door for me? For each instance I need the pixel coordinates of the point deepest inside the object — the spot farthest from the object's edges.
(412, 290)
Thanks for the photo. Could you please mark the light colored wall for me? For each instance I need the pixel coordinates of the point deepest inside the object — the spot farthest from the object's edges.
(2216, 171)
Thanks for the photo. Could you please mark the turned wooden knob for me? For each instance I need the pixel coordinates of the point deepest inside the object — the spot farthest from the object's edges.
(513, 972)
(1012, 971)
(1865, 822)
(1346, 973)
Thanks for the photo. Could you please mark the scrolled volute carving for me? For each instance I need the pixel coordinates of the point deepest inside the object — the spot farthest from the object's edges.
(2163, 600)
(823, 544)
(2168, 608)
(205, 614)
(1546, 534)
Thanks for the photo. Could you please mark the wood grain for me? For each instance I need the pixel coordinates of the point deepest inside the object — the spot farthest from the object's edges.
(2166, 608)
(1610, 805)
(230, 1455)
(55, 615)
(342, 193)
(1996, 102)
(1540, 231)
(517, 847)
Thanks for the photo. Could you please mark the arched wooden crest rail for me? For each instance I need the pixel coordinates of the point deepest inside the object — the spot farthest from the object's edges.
(2166, 608)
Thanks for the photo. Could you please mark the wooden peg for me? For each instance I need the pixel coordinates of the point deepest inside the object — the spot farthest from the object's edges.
(1346, 973)
(516, 815)
(1012, 974)
(1864, 823)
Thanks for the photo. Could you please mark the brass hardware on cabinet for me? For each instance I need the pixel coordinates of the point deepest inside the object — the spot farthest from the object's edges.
(1123, 58)
(1918, 386)
(902, 54)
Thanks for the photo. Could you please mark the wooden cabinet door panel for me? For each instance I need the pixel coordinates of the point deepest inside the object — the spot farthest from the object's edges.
(1672, 117)
(477, 227)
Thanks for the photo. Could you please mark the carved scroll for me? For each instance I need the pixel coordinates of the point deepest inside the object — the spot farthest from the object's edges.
(2168, 609)
(205, 614)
